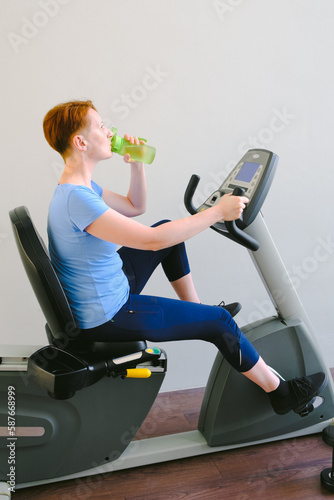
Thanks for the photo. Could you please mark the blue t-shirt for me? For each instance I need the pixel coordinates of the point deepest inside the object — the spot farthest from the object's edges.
(89, 268)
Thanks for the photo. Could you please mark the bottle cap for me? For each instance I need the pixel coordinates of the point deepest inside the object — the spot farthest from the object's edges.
(116, 141)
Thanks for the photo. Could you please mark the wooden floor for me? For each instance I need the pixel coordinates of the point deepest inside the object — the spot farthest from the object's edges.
(286, 470)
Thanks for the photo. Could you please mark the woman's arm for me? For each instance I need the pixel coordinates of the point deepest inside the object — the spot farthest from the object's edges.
(134, 203)
(114, 227)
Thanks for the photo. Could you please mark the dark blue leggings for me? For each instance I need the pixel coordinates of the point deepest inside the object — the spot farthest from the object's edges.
(158, 319)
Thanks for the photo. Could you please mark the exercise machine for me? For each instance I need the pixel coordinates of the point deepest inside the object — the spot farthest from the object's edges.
(286, 342)
(71, 404)
(71, 408)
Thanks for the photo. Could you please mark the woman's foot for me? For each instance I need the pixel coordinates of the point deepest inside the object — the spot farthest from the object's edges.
(233, 308)
(295, 394)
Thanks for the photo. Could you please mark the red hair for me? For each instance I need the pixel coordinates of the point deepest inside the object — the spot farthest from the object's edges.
(63, 121)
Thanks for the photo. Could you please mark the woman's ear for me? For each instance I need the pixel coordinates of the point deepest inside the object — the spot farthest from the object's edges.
(79, 142)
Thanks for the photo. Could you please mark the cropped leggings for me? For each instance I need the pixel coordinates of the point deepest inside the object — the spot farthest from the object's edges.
(159, 319)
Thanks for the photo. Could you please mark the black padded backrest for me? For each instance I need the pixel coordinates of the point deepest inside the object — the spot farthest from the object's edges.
(41, 274)
(50, 293)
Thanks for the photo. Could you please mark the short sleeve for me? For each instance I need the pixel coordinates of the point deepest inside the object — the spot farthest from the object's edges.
(98, 189)
(85, 206)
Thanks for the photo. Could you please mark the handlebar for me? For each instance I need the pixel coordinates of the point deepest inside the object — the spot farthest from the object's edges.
(243, 238)
(188, 195)
(233, 230)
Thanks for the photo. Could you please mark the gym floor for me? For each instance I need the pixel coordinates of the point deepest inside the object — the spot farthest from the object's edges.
(275, 471)
(286, 470)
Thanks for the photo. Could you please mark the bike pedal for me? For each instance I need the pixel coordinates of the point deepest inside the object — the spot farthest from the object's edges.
(306, 410)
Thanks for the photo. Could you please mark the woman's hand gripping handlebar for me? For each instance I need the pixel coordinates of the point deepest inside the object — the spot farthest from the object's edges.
(230, 212)
(232, 205)
(243, 238)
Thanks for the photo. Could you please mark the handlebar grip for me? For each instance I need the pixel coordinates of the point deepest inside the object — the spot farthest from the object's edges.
(234, 231)
(189, 193)
(238, 191)
(243, 238)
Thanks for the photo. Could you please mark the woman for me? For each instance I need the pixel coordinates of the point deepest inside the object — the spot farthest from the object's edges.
(86, 223)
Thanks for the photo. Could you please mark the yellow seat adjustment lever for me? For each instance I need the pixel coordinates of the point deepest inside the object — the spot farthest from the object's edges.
(138, 373)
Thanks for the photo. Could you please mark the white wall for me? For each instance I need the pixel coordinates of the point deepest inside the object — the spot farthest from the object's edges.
(202, 80)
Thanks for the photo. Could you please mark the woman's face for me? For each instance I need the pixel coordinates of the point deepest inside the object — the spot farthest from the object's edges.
(97, 137)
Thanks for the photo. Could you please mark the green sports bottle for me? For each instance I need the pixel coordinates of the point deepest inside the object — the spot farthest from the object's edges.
(141, 152)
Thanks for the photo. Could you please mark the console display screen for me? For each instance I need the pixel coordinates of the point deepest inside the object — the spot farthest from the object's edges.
(247, 171)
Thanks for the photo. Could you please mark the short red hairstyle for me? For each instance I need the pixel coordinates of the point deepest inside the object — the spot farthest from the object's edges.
(63, 121)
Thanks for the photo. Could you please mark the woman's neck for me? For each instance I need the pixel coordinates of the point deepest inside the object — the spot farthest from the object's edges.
(77, 172)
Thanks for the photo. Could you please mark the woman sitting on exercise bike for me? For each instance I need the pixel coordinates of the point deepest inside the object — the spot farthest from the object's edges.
(86, 223)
